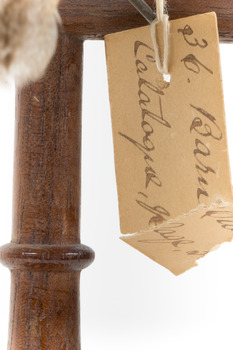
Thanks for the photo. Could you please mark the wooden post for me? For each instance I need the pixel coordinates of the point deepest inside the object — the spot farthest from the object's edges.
(45, 255)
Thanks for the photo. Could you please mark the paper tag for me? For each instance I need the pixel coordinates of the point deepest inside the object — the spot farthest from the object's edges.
(170, 145)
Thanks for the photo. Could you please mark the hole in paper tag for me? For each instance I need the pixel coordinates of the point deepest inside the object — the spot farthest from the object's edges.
(167, 78)
(171, 160)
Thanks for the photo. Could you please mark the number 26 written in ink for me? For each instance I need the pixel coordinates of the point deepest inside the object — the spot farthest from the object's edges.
(190, 61)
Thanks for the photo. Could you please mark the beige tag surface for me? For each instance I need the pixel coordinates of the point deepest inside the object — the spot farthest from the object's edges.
(170, 146)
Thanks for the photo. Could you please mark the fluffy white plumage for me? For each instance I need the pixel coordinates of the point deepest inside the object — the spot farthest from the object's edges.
(28, 37)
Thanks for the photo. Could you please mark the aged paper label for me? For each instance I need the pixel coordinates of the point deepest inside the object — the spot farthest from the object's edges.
(170, 144)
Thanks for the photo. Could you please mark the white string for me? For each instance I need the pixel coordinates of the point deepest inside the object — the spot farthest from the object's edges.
(164, 18)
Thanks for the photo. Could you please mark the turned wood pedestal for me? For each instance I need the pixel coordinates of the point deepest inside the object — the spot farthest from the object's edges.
(45, 255)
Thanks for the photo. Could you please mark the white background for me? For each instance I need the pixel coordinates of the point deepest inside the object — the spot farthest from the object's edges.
(128, 302)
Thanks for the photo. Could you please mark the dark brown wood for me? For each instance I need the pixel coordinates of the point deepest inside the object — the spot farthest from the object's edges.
(46, 205)
(45, 256)
(44, 311)
(93, 19)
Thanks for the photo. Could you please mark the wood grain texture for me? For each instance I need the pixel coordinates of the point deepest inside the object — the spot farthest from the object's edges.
(46, 205)
(44, 312)
(93, 19)
(45, 256)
